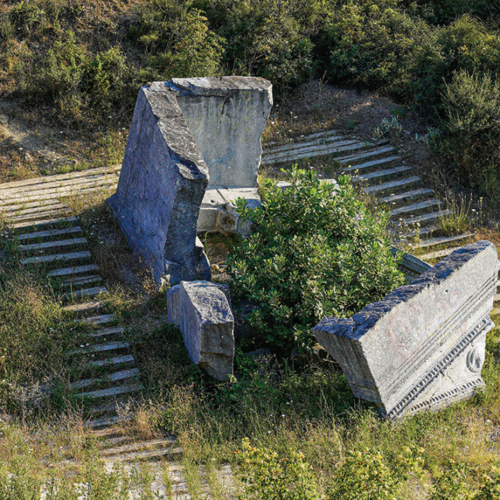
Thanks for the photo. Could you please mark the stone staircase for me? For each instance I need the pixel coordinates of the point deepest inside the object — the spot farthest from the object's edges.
(48, 237)
(383, 174)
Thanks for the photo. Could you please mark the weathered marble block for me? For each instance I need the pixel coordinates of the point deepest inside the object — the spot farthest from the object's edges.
(202, 312)
(226, 117)
(422, 347)
(161, 187)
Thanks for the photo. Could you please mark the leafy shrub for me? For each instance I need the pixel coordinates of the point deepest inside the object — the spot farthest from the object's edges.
(471, 135)
(316, 251)
(365, 476)
(267, 477)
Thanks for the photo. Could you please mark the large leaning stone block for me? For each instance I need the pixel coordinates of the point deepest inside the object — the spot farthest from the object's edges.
(226, 117)
(422, 347)
(202, 312)
(161, 187)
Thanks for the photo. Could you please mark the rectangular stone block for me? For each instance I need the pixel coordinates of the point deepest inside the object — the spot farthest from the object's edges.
(226, 117)
(422, 347)
(202, 312)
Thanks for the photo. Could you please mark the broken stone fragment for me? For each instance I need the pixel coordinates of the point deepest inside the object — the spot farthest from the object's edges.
(422, 347)
(201, 310)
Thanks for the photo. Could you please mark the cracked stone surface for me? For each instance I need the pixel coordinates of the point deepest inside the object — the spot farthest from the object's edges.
(423, 346)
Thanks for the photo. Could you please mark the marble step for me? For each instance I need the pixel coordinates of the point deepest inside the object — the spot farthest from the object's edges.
(38, 235)
(68, 271)
(407, 196)
(86, 292)
(45, 259)
(439, 253)
(416, 207)
(313, 152)
(442, 240)
(426, 218)
(368, 155)
(292, 146)
(141, 446)
(104, 422)
(270, 144)
(368, 166)
(61, 177)
(392, 186)
(126, 359)
(113, 391)
(100, 320)
(100, 348)
(109, 378)
(18, 210)
(49, 195)
(107, 332)
(81, 280)
(44, 222)
(84, 307)
(49, 245)
(380, 174)
(55, 213)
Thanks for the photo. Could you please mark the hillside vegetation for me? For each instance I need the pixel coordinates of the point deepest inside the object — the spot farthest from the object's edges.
(82, 62)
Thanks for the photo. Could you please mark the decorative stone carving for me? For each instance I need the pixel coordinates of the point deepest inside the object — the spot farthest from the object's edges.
(422, 346)
(202, 312)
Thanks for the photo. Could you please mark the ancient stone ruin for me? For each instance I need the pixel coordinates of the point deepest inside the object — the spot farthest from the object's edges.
(187, 135)
(422, 347)
(201, 311)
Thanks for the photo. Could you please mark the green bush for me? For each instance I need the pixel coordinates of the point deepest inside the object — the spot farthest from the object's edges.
(267, 477)
(316, 251)
(471, 137)
(364, 475)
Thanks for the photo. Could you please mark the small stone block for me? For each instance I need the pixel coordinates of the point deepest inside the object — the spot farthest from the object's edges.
(201, 310)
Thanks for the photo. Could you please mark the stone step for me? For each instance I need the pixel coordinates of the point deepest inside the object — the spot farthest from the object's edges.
(392, 186)
(38, 235)
(20, 210)
(46, 245)
(48, 195)
(107, 432)
(416, 207)
(443, 240)
(292, 146)
(112, 377)
(45, 259)
(439, 253)
(81, 182)
(407, 196)
(68, 271)
(327, 133)
(106, 332)
(370, 154)
(13, 194)
(56, 213)
(100, 320)
(22, 206)
(99, 348)
(146, 455)
(86, 292)
(44, 222)
(81, 280)
(368, 166)
(126, 359)
(113, 391)
(423, 231)
(84, 307)
(60, 177)
(141, 446)
(380, 174)
(104, 422)
(426, 218)
(319, 151)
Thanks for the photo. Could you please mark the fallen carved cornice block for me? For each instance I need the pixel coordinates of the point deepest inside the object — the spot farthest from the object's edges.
(422, 347)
